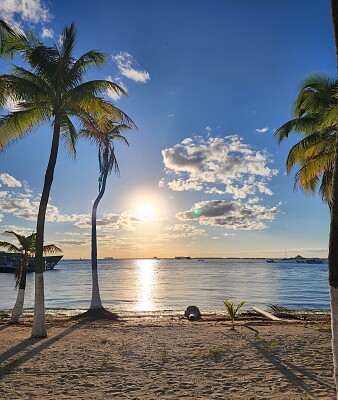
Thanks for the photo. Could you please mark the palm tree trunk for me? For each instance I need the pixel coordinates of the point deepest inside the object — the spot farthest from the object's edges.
(96, 299)
(333, 241)
(18, 307)
(39, 323)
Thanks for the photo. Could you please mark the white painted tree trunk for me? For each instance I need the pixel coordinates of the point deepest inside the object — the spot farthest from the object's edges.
(334, 326)
(96, 299)
(39, 323)
(18, 307)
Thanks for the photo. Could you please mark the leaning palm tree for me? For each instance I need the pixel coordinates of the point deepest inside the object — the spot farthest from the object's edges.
(314, 117)
(104, 138)
(52, 90)
(333, 241)
(26, 248)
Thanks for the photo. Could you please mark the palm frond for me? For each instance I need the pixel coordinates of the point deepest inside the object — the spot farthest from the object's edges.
(93, 88)
(10, 247)
(81, 66)
(325, 188)
(69, 135)
(52, 249)
(17, 124)
(18, 89)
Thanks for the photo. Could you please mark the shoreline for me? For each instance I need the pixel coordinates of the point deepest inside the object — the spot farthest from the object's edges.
(221, 314)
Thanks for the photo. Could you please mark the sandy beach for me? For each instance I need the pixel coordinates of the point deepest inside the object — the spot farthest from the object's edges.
(167, 358)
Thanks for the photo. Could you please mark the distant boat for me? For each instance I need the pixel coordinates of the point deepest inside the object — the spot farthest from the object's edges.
(109, 258)
(10, 261)
(270, 260)
(310, 261)
(182, 258)
(155, 257)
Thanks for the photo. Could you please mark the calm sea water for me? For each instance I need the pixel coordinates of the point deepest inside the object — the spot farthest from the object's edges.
(155, 285)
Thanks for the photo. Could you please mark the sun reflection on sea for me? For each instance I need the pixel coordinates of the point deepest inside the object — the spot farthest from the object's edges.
(146, 285)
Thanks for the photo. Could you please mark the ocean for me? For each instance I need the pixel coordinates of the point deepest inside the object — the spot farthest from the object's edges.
(168, 285)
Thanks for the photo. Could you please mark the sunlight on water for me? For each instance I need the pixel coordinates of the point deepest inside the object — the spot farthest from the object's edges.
(146, 275)
(169, 284)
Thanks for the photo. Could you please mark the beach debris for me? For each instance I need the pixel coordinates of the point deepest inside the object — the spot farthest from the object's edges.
(266, 314)
(192, 313)
(281, 312)
(232, 310)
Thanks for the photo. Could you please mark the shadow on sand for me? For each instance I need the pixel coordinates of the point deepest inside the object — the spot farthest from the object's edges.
(293, 374)
(80, 320)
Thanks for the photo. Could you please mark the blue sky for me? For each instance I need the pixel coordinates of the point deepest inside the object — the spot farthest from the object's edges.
(207, 82)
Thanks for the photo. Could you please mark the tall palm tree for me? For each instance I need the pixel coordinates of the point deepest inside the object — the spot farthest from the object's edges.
(314, 117)
(52, 90)
(104, 138)
(26, 247)
(333, 241)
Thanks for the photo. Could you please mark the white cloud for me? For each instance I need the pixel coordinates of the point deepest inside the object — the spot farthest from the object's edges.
(230, 214)
(71, 242)
(178, 231)
(25, 206)
(17, 229)
(171, 115)
(125, 221)
(180, 185)
(47, 33)
(111, 93)
(9, 180)
(218, 166)
(31, 11)
(125, 64)
(262, 130)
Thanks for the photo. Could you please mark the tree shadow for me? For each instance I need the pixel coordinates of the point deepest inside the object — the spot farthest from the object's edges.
(294, 374)
(5, 326)
(95, 314)
(11, 365)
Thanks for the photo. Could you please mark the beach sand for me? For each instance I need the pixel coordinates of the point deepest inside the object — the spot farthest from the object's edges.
(166, 358)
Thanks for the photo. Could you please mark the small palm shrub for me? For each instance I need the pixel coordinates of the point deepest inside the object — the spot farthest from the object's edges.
(232, 310)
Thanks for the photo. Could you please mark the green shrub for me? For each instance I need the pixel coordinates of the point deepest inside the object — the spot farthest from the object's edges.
(232, 310)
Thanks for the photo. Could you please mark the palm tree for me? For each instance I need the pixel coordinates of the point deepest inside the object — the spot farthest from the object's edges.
(333, 241)
(315, 117)
(52, 91)
(104, 138)
(26, 247)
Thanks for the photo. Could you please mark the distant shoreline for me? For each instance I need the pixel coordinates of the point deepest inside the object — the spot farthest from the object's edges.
(184, 259)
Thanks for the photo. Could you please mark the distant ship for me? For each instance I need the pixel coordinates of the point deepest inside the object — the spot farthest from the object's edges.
(298, 259)
(10, 261)
(182, 258)
(310, 261)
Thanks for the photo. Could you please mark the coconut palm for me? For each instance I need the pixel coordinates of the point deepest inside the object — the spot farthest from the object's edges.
(333, 241)
(104, 138)
(314, 117)
(26, 248)
(52, 90)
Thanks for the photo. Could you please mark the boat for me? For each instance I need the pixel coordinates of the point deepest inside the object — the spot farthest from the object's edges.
(270, 260)
(310, 261)
(182, 258)
(10, 261)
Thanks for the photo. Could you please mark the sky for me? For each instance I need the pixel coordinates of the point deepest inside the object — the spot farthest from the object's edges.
(208, 82)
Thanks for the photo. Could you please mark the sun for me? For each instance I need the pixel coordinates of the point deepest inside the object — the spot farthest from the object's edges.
(145, 213)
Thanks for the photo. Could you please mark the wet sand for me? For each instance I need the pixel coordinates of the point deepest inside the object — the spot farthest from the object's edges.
(166, 358)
